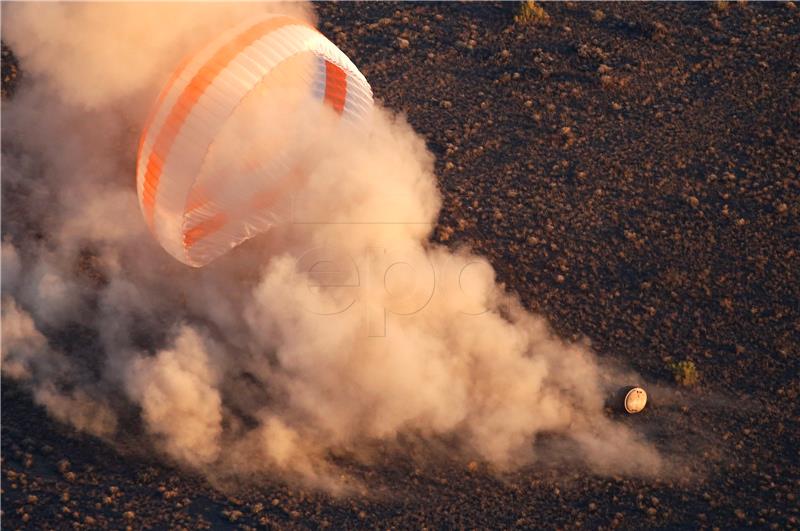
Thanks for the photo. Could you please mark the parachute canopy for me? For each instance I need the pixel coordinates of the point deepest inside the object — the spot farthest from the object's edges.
(228, 136)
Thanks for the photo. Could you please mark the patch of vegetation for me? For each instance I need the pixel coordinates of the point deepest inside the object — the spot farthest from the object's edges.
(10, 72)
(685, 373)
(721, 5)
(532, 13)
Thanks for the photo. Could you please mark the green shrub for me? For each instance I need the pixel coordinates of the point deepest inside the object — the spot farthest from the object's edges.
(531, 13)
(685, 373)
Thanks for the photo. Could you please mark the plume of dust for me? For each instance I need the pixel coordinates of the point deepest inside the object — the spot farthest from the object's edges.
(342, 328)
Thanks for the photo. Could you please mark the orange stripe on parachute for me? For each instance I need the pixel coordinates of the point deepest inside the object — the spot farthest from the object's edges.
(187, 100)
(258, 201)
(160, 101)
(335, 86)
(203, 229)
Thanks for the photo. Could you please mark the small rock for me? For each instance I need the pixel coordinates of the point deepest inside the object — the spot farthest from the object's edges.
(694, 201)
(402, 43)
(655, 501)
(128, 515)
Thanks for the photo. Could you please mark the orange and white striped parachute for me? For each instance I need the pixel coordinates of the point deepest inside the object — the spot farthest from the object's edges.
(227, 136)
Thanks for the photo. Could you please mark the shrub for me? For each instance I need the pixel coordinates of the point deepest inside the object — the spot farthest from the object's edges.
(531, 13)
(685, 373)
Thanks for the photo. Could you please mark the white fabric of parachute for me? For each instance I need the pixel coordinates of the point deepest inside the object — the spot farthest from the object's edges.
(191, 112)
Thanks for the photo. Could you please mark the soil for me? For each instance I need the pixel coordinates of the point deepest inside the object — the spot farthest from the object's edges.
(632, 171)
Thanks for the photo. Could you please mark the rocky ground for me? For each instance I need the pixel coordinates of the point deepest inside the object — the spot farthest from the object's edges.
(633, 172)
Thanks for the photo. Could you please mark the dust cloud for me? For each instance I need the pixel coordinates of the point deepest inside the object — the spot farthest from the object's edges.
(342, 328)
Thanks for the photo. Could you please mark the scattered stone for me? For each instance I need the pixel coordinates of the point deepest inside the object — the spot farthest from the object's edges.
(233, 516)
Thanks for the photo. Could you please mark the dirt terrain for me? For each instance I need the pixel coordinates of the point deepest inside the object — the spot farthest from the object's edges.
(633, 173)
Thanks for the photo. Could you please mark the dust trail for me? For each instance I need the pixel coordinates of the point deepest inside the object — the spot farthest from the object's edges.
(264, 361)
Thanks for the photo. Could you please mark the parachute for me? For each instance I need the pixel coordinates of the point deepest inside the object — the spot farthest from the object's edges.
(227, 137)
